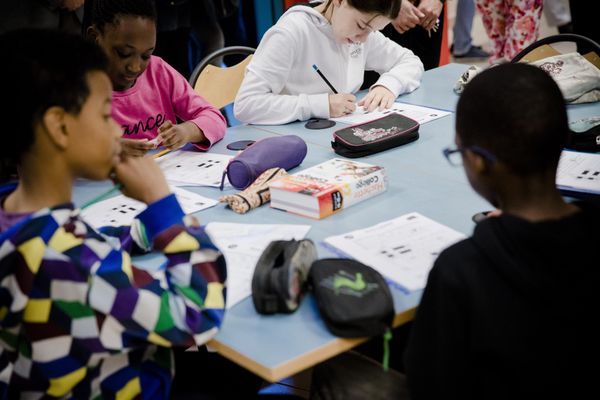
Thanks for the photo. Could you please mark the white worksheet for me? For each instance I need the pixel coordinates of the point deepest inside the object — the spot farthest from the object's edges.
(121, 210)
(192, 168)
(242, 245)
(420, 114)
(579, 172)
(402, 249)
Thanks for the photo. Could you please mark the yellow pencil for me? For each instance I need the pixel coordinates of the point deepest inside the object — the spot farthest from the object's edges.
(161, 153)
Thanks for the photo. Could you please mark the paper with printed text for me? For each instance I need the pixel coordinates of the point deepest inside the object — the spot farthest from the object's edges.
(420, 114)
(402, 249)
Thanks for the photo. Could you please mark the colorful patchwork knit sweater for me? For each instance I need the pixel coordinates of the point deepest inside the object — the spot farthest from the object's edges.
(77, 320)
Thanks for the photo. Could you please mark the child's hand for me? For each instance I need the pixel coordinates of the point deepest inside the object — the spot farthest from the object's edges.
(136, 147)
(380, 97)
(341, 104)
(175, 136)
(142, 179)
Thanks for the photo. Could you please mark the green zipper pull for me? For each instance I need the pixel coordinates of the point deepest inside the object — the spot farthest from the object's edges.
(387, 336)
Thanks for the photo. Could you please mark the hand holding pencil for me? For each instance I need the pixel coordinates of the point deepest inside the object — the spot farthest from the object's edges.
(339, 103)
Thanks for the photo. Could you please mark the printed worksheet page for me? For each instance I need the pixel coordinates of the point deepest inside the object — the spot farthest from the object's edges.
(420, 114)
(121, 210)
(242, 245)
(193, 168)
(579, 172)
(402, 249)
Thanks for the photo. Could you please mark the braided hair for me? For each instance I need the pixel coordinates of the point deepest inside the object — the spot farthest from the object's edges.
(107, 11)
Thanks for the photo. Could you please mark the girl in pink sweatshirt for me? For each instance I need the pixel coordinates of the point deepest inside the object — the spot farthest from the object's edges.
(150, 96)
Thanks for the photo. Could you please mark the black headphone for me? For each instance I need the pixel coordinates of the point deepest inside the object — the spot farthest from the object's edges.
(279, 280)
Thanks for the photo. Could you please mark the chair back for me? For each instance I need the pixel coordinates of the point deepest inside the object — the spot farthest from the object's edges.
(219, 86)
(557, 44)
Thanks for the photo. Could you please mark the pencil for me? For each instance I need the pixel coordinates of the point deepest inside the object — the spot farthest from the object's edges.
(104, 195)
(325, 79)
(161, 153)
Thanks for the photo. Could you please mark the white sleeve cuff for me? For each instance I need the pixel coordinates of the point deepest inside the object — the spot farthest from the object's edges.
(319, 105)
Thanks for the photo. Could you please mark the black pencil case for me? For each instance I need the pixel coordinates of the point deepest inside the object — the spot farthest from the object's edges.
(371, 137)
(353, 299)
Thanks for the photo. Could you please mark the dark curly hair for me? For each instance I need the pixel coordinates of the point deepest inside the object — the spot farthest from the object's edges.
(42, 69)
(108, 11)
(516, 112)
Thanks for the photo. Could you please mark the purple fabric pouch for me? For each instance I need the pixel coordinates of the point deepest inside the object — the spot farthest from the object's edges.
(277, 151)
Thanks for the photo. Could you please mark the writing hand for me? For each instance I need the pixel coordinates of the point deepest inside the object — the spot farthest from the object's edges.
(341, 104)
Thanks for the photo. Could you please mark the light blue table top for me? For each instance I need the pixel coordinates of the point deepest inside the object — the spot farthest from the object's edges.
(420, 179)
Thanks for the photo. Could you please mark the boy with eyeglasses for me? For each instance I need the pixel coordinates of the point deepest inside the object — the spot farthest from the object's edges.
(510, 312)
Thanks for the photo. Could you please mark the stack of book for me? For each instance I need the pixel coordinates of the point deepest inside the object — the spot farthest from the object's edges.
(327, 188)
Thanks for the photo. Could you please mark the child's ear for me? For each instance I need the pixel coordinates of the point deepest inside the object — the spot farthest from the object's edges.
(54, 123)
(477, 163)
(92, 33)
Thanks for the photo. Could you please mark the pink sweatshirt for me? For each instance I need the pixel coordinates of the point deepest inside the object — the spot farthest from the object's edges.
(161, 94)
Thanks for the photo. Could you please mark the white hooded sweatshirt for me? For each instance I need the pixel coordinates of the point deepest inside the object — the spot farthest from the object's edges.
(281, 86)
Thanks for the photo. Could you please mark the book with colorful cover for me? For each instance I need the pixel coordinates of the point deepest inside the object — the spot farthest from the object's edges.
(327, 188)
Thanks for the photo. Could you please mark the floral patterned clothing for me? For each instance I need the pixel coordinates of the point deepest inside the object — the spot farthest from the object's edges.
(511, 24)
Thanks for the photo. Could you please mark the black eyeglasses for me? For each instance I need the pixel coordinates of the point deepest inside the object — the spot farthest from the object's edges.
(454, 156)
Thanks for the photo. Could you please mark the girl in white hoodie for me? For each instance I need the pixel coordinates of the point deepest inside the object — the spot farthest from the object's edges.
(339, 36)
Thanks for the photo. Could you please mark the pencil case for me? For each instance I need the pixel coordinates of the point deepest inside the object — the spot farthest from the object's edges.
(353, 299)
(371, 137)
(277, 151)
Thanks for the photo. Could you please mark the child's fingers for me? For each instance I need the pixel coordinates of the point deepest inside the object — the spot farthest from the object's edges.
(367, 101)
(155, 142)
(166, 132)
(376, 101)
(165, 126)
(351, 106)
(171, 140)
(168, 142)
(145, 145)
(390, 102)
(175, 144)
